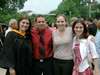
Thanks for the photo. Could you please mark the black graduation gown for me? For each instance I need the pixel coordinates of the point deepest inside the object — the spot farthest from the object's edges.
(1, 40)
(17, 53)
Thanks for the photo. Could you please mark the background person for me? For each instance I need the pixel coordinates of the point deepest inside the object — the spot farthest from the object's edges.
(97, 39)
(12, 25)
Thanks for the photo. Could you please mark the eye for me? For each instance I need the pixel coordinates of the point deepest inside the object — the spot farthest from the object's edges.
(62, 21)
(23, 22)
(58, 21)
(40, 21)
(81, 27)
(27, 23)
(76, 27)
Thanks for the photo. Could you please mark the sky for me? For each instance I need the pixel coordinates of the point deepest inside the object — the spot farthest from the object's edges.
(41, 6)
(98, 1)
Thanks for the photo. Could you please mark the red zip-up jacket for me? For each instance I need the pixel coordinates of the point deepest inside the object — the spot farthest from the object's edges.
(48, 44)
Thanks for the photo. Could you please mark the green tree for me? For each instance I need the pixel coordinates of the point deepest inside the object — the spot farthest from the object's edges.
(9, 8)
(79, 8)
(11, 4)
(69, 7)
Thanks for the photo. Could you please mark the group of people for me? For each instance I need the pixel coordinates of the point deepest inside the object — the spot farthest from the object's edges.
(37, 49)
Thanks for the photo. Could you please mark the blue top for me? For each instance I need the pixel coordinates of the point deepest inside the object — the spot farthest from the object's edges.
(98, 41)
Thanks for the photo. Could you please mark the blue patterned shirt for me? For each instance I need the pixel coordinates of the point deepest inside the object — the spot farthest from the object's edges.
(98, 42)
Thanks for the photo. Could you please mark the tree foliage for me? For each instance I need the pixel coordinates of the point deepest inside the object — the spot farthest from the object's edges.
(8, 9)
(11, 4)
(79, 8)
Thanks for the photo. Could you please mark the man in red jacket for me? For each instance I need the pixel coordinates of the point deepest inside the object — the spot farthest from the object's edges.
(42, 47)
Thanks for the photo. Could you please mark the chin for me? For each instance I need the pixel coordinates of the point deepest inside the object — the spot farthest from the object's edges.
(78, 35)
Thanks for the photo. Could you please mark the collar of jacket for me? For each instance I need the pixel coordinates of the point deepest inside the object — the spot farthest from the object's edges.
(18, 32)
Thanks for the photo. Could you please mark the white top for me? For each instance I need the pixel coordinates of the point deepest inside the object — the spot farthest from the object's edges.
(85, 47)
(91, 38)
(63, 44)
(9, 29)
(3, 71)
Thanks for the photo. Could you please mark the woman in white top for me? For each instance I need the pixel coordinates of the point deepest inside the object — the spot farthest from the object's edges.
(84, 51)
(62, 43)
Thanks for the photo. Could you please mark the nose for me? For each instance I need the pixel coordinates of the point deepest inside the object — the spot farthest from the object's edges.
(41, 22)
(78, 29)
(25, 25)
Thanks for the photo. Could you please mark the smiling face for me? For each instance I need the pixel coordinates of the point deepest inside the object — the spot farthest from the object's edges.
(78, 29)
(24, 25)
(41, 22)
(61, 22)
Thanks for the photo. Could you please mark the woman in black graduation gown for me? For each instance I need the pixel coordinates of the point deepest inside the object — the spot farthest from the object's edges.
(17, 52)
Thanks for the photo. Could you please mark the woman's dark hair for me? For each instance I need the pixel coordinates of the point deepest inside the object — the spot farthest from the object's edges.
(28, 32)
(0, 28)
(92, 29)
(84, 34)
